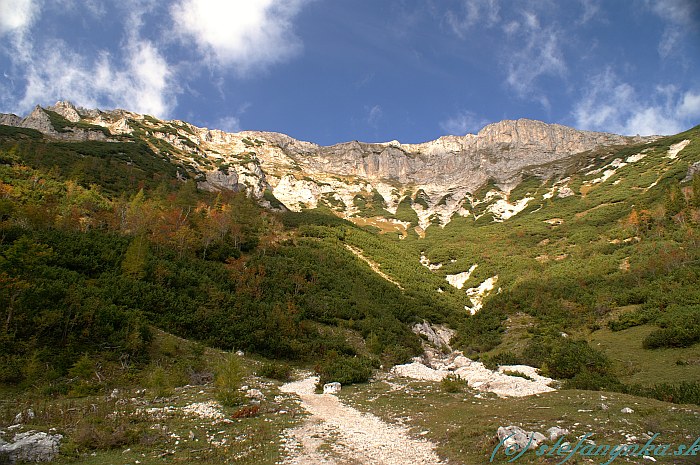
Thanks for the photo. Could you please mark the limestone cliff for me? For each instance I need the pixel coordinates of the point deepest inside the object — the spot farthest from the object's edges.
(439, 178)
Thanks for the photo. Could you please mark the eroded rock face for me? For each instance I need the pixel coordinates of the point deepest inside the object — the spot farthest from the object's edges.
(499, 151)
(438, 177)
(67, 110)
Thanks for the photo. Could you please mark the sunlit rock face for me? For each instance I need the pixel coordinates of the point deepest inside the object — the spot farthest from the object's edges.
(439, 178)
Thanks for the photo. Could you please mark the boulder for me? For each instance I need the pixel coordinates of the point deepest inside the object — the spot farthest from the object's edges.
(31, 446)
(555, 433)
(627, 410)
(692, 171)
(331, 388)
(514, 435)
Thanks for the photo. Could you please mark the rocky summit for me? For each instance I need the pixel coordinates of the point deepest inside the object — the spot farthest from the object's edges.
(437, 179)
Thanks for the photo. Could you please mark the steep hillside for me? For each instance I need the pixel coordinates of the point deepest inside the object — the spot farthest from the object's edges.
(407, 185)
(570, 251)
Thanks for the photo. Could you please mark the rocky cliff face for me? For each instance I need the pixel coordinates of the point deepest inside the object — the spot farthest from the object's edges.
(438, 178)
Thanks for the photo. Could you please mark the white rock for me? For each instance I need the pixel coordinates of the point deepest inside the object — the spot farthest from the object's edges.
(627, 410)
(32, 446)
(255, 394)
(514, 435)
(555, 433)
(331, 388)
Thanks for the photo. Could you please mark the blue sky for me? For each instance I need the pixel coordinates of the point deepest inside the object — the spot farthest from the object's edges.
(375, 70)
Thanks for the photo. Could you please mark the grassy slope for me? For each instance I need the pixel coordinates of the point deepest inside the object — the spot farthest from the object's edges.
(572, 275)
(102, 429)
(464, 426)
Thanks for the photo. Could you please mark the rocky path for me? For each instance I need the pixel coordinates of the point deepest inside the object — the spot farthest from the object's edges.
(335, 433)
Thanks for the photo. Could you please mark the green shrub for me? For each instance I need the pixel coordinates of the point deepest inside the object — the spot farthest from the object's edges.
(273, 370)
(228, 378)
(502, 358)
(453, 383)
(158, 381)
(672, 337)
(519, 374)
(569, 358)
(685, 392)
(345, 370)
(593, 381)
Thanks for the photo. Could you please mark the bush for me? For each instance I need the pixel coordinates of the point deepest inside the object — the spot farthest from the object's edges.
(502, 358)
(345, 370)
(685, 392)
(593, 381)
(453, 383)
(279, 371)
(228, 378)
(569, 358)
(672, 337)
(519, 374)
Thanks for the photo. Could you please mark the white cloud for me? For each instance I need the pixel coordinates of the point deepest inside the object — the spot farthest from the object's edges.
(539, 55)
(141, 82)
(465, 122)
(228, 124)
(482, 12)
(138, 78)
(590, 10)
(689, 106)
(373, 115)
(612, 105)
(247, 35)
(680, 17)
(17, 15)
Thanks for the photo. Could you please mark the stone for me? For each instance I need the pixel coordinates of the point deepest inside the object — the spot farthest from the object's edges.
(516, 436)
(555, 433)
(331, 388)
(693, 170)
(255, 394)
(627, 410)
(67, 110)
(240, 353)
(32, 446)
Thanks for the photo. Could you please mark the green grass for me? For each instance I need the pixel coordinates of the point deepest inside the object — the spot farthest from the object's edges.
(464, 426)
(635, 365)
(102, 429)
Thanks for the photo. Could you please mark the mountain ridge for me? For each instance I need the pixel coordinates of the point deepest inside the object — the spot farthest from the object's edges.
(354, 179)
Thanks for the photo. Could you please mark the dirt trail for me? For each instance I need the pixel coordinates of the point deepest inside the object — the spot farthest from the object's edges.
(373, 265)
(335, 433)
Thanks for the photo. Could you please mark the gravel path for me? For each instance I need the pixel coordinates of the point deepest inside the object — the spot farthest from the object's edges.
(335, 433)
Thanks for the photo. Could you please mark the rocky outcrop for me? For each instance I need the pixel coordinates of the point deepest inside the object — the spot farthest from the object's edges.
(693, 170)
(31, 446)
(439, 177)
(8, 119)
(500, 151)
(67, 110)
(331, 388)
(38, 119)
(519, 439)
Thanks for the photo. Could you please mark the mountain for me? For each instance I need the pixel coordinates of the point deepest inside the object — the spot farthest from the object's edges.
(156, 272)
(435, 179)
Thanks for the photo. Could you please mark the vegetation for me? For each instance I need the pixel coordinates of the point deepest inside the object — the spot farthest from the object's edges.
(106, 245)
